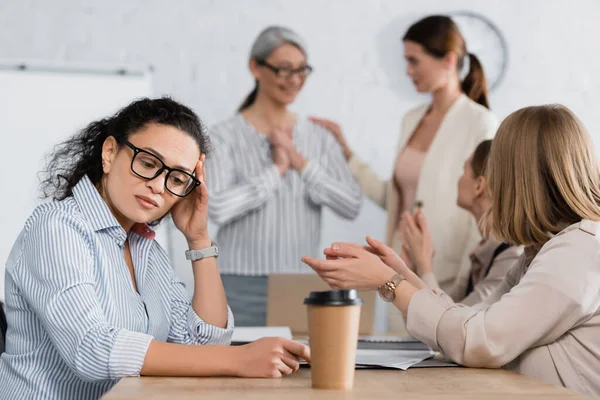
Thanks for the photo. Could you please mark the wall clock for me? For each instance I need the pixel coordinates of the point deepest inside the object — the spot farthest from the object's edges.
(486, 41)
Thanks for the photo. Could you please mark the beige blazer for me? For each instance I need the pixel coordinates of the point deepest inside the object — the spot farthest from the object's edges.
(484, 284)
(542, 321)
(453, 230)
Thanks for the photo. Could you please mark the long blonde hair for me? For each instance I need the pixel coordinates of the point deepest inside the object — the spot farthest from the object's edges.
(542, 175)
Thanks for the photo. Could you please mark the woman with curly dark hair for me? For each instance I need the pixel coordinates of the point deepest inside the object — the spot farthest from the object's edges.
(90, 295)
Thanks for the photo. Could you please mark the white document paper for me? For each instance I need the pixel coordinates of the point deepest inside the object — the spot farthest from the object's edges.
(252, 333)
(399, 359)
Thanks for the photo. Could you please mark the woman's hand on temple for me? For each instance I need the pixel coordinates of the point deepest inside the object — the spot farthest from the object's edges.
(190, 214)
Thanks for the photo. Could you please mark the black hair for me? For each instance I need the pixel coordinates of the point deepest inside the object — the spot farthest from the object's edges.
(81, 155)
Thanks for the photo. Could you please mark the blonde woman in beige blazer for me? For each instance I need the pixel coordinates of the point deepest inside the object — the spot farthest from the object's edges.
(439, 136)
(544, 319)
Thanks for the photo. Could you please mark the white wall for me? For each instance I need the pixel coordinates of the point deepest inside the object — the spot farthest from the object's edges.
(33, 119)
(199, 50)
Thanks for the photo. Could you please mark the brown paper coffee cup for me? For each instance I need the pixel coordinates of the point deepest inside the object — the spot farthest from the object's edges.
(333, 321)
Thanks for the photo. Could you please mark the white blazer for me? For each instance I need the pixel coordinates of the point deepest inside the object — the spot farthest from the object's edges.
(453, 230)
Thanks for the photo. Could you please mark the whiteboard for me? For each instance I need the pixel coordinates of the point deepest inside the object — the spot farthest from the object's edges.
(40, 106)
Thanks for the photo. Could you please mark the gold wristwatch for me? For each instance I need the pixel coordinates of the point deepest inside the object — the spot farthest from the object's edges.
(387, 291)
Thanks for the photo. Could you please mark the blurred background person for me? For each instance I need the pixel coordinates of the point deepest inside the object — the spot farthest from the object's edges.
(435, 140)
(271, 173)
(490, 259)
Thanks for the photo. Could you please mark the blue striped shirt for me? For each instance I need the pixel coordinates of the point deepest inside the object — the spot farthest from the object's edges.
(268, 222)
(76, 325)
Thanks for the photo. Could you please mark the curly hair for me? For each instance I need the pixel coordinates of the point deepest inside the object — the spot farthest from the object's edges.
(81, 154)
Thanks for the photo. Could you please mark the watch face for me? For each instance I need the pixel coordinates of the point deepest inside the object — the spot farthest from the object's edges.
(386, 294)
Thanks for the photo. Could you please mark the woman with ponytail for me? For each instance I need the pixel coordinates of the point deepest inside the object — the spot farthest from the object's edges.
(270, 176)
(435, 140)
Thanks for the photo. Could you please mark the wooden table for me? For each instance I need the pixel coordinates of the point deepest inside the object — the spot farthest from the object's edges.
(417, 383)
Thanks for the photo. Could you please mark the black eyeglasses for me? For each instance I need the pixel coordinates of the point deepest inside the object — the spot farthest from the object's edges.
(148, 166)
(286, 72)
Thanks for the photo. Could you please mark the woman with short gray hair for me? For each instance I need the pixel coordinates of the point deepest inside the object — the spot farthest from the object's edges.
(270, 175)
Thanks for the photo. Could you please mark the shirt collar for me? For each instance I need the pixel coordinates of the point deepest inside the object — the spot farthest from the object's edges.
(144, 231)
(93, 206)
(96, 211)
(484, 251)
